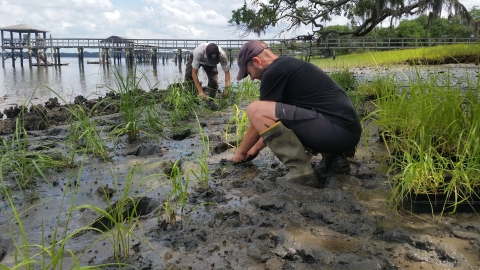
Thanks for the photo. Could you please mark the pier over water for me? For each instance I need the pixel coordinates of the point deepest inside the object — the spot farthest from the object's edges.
(26, 42)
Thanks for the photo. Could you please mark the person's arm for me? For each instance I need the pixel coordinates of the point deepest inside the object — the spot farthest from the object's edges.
(227, 78)
(197, 83)
(227, 83)
(250, 140)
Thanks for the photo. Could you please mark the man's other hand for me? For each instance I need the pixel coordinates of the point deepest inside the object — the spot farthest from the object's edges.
(225, 91)
(202, 95)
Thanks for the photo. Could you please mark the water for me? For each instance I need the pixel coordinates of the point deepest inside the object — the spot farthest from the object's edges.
(34, 85)
(37, 84)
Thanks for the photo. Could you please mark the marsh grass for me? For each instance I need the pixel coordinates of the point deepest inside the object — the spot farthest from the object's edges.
(176, 198)
(246, 91)
(203, 176)
(154, 119)
(29, 255)
(377, 87)
(239, 123)
(242, 93)
(45, 254)
(83, 134)
(119, 222)
(345, 78)
(395, 57)
(431, 132)
(179, 100)
(134, 104)
(225, 100)
(24, 164)
(180, 185)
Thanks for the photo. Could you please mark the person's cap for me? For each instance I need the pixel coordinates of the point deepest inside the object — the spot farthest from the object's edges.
(249, 50)
(213, 54)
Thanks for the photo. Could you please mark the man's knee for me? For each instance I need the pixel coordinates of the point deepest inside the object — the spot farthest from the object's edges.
(254, 107)
(261, 109)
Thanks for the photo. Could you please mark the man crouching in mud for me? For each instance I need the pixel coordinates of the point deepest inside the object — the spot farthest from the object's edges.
(300, 107)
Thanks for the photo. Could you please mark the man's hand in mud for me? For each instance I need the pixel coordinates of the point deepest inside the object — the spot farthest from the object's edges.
(225, 92)
(238, 157)
(249, 156)
(202, 95)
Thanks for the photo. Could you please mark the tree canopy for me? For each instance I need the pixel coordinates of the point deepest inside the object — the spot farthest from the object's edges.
(364, 15)
(421, 28)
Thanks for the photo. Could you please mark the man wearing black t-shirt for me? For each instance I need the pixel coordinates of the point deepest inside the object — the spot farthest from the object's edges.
(300, 107)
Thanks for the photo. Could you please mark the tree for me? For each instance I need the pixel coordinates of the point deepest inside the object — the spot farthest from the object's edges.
(257, 16)
(475, 12)
(421, 28)
(410, 29)
(334, 29)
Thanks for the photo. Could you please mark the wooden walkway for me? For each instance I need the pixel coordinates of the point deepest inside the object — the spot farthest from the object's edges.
(189, 44)
(150, 49)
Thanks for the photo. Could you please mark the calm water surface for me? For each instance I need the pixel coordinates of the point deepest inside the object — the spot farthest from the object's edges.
(36, 85)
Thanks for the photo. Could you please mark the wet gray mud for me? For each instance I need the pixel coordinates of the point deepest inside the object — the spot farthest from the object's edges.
(244, 219)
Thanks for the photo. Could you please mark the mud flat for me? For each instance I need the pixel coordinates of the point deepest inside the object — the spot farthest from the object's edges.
(244, 219)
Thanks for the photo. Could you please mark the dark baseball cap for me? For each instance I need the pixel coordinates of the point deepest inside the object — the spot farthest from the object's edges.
(213, 53)
(249, 50)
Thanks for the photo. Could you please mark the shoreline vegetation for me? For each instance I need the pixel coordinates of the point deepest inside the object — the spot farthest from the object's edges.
(451, 54)
(429, 126)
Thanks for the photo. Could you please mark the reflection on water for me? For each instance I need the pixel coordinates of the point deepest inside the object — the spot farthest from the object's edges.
(38, 84)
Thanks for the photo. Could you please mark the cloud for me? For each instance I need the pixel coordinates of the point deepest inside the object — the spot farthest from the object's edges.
(135, 19)
(161, 19)
(112, 15)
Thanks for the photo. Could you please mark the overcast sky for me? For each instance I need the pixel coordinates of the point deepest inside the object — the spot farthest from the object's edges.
(157, 19)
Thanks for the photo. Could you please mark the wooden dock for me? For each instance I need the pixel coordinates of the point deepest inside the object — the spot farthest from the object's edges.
(142, 50)
(24, 39)
(190, 44)
(50, 64)
(97, 62)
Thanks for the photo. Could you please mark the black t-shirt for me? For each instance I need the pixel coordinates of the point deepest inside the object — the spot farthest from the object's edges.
(296, 82)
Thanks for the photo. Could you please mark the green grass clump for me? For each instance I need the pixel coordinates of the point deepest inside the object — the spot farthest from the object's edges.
(239, 123)
(176, 198)
(247, 91)
(431, 130)
(180, 100)
(118, 223)
(344, 78)
(23, 164)
(84, 136)
(203, 177)
(134, 105)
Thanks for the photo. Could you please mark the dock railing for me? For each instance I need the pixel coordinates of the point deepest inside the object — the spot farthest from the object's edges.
(190, 44)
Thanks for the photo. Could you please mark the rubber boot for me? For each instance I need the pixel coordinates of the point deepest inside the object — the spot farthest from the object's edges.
(211, 102)
(212, 105)
(212, 93)
(333, 163)
(289, 150)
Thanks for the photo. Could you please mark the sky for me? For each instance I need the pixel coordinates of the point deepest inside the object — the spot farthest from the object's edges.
(136, 19)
